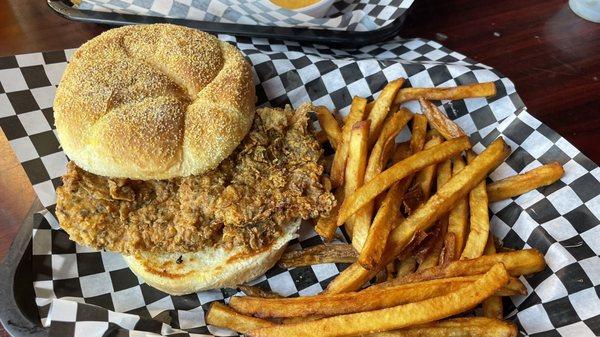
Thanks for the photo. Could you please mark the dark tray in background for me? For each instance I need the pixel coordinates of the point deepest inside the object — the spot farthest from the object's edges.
(338, 38)
(18, 311)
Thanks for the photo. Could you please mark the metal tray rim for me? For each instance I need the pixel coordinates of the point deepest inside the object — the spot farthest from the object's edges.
(15, 322)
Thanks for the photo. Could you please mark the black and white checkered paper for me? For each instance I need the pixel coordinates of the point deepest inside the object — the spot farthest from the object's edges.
(347, 15)
(81, 292)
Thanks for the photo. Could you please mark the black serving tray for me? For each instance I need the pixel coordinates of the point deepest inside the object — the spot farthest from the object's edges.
(338, 38)
(18, 311)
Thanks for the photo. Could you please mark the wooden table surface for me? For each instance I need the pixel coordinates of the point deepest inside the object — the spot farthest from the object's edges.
(551, 55)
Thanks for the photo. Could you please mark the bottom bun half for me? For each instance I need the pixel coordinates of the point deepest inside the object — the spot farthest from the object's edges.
(179, 274)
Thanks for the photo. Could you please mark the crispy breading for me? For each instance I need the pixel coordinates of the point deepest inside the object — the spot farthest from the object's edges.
(272, 178)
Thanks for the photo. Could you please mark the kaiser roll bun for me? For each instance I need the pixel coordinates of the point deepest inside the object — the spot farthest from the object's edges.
(153, 102)
(210, 268)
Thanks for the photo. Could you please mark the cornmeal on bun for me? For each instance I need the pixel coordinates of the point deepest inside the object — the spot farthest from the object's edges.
(172, 165)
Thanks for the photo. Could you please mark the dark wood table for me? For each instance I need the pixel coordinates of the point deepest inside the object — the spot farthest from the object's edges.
(552, 56)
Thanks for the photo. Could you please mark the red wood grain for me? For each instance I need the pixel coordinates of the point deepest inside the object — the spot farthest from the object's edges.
(551, 55)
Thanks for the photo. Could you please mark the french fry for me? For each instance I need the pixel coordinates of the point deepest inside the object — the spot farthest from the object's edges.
(381, 108)
(439, 121)
(388, 150)
(329, 125)
(458, 218)
(419, 133)
(401, 152)
(357, 114)
(294, 320)
(387, 178)
(420, 251)
(321, 137)
(380, 277)
(417, 143)
(397, 317)
(433, 256)
(257, 292)
(456, 269)
(369, 107)
(432, 259)
(447, 253)
(377, 160)
(444, 173)
(355, 275)
(391, 128)
(424, 179)
(390, 270)
(407, 266)
(492, 307)
(457, 327)
(412, 199)
(355, 175)
(487, 89)
(366, 300)
(448, 194)
(517, 263)
(525, 182)
(388, 216)
(459, 185)
(222, 316)
(490, 246)
(325, 253)
(376, 164)
(432, 133)
(480, 219)
(326, 225)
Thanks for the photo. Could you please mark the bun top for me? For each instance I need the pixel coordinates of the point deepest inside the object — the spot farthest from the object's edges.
(153, 102)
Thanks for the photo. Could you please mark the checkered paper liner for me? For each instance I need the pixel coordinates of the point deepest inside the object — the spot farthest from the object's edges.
(347, 15)
(79, 290)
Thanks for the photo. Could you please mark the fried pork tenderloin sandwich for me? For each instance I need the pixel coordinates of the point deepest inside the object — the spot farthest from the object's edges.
(171, 165)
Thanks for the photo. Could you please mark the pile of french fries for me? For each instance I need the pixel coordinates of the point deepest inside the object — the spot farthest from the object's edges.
(417, 214)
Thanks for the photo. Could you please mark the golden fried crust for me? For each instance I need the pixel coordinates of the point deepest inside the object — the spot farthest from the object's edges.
(154, 102)
(271, 179)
